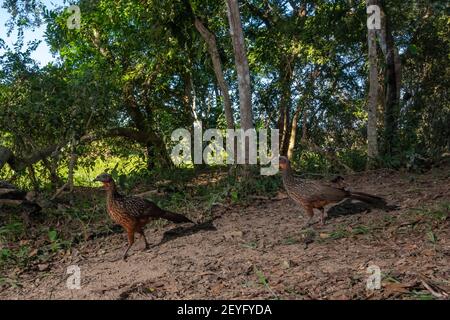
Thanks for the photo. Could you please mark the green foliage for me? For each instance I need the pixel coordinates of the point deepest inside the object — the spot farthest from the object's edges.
(12, 231)
(312, 162)
(262, 280)
(360, 230)
(261, 277)
(439, 212)
(5, 254)
(127, 76)
(338, 234)
(290, 241)
(354, 158)
(242, 189)
(56, 243)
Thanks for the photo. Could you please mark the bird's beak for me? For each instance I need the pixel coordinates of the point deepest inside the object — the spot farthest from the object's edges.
(96, 180)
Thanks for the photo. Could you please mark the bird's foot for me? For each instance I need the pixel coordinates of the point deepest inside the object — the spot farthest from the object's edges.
(125, 254)
(308, 224)
(323, 217)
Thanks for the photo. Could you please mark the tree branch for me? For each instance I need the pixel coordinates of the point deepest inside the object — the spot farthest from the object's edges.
(18, 164)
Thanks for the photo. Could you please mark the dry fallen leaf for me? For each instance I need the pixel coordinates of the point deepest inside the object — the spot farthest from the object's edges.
(33, 253)
(217, 289)
(393, 288)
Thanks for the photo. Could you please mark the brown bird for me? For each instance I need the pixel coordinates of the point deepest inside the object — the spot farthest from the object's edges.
(133, 213)
(316, 195)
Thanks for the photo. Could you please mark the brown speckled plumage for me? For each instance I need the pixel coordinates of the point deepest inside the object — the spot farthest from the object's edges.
(316, 195)
(133, 213)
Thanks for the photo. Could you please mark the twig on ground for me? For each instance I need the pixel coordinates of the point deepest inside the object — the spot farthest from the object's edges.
(433, 288)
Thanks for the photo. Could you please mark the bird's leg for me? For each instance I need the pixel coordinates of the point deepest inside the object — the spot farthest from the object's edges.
(310, 214)
(309, 222)
(141, 232)
(130, 234)
(323, 216)
(125, 254)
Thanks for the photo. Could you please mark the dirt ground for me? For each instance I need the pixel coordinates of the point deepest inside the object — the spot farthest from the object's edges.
(262, 251)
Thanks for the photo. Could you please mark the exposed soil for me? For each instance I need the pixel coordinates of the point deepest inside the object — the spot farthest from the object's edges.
(262, 251)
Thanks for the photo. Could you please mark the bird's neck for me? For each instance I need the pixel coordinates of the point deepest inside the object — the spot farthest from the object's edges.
(289, 178)
(287, 172)
(111, 190)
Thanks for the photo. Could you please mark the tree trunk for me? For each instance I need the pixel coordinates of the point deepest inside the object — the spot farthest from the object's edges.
(151, 155)
(293, 135)
(187, 97)
(70, 177)
(12, 196)
(243, 72)
(19, 164)
(210, 40)
(193, 101)
(302, 108)
(242, 69)
(157, 153)
(393, 83)
(372, 136)
(51, 164)
(285, 126)
(305, 125)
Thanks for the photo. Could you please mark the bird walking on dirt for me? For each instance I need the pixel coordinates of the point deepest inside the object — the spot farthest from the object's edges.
(316, 195)
(133, 213)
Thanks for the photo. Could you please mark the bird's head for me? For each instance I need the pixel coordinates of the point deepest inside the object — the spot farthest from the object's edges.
(104, 178)
(283, 162)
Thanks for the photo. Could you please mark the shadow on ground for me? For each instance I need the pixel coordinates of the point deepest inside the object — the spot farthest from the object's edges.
(181, 231)
(348, 207)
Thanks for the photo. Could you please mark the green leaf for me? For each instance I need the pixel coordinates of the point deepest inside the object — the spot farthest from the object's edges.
(53, 235)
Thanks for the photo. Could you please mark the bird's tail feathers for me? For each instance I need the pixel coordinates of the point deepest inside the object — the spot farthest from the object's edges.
(175, 217)
(369, 199)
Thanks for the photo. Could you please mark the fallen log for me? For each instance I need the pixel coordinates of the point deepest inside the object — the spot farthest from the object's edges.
(10, 195)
